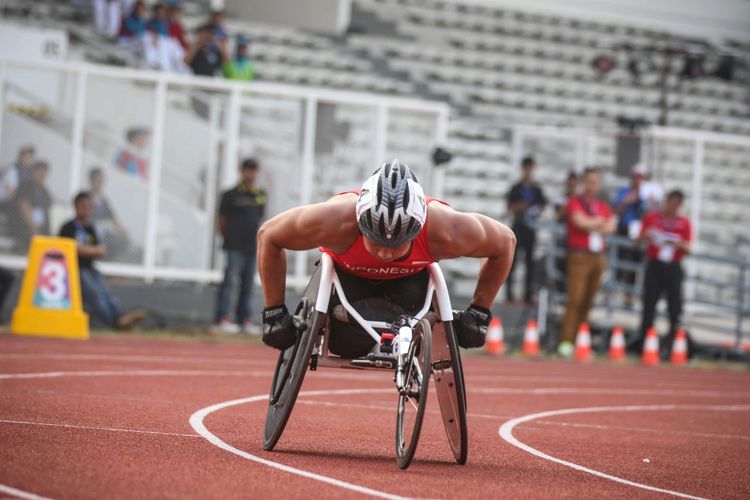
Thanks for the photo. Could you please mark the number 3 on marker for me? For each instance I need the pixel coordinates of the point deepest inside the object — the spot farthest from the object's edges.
(53, 281)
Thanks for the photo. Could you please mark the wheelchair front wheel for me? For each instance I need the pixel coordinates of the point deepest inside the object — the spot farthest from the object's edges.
(412, 403)
(291, 367)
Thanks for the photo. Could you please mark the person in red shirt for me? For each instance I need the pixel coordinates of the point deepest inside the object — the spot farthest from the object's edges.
(382, 238)
(668, 235)
(589, 220)
(176, 29)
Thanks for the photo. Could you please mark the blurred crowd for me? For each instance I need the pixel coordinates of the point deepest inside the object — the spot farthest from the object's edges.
(648, 221)
(25, 211)
(157, 36)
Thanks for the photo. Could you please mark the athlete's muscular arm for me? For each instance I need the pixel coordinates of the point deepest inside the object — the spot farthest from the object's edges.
(455, 234)
(331, 224)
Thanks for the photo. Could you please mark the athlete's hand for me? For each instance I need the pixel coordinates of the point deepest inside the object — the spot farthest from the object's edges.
(471, 326)
(280, 329)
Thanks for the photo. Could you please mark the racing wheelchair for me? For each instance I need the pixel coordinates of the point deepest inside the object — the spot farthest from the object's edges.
(416, 349)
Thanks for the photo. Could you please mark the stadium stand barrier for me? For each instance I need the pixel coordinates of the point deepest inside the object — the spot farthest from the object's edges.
(177, 143)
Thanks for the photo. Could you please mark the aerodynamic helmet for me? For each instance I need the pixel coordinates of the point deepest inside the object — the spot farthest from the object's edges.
(392, 208)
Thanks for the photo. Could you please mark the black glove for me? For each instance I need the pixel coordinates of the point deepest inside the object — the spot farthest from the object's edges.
(280, 329)
(471, 326)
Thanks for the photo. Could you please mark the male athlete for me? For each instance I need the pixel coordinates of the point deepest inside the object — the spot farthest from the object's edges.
(381, 239)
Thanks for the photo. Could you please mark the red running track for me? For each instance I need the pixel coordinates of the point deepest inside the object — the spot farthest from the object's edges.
(111, 417)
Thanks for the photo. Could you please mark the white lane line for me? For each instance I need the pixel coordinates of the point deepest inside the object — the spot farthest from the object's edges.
(545, 391)
(506, 432)
(389, 407)
(135, 357)
(648, 430)
(176, 373)
(16, 493)
(94, 428)
(197, 418)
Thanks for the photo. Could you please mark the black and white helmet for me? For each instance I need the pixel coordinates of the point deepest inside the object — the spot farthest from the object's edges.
(392, 208)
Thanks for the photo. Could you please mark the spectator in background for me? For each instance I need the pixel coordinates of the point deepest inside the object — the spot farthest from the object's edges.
(16, 174)
(32, 202)
(630, 208)
(218, 26)
(561, 217)
(589, 221)
(97, 296)
(6, 282)
(668, 235)
(176, 29)
(108, 17)
(561, 202)
(240, 213)
(526, 202)
(166, 53)
(239, 67)
(112, 233)
(131, 158)
(134, 25)
(651, 191)
(205, 55)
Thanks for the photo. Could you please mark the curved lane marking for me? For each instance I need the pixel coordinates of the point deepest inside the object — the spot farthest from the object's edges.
(196, 420)
(16, 493)
(506, 432)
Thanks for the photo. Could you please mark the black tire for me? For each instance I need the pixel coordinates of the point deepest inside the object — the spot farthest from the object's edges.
(447, 373)
(291, 367)
(408, 427)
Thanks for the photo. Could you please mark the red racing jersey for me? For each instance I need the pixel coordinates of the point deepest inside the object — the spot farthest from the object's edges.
(358, 261)
(579, 239)
(663, 233)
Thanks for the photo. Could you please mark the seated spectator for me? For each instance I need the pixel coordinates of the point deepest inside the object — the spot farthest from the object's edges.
(112, 233)
(108, 17)
(205, 55)
(134, 25)
(16, 174)
(218, 26)
(97, 297)
(32, 202)
(239, 67)
(176, 29)
(131, 158)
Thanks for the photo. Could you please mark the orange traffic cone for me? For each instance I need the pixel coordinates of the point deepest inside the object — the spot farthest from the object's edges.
(531, 339)
(679, 348)
(495, 344)
(650, 355)
(617, 344)
(583, 343)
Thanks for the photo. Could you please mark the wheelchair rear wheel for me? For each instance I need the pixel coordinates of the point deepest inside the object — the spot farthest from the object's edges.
(448, 376)
(292, 366)
(412, 403)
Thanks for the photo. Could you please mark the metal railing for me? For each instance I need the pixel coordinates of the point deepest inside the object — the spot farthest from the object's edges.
(725, 297)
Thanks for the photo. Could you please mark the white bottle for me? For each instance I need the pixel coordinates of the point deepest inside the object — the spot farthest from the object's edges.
(404, 339)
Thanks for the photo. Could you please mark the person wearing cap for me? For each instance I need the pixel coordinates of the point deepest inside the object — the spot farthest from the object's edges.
(589, 221)
(239, 67)
(668, 235)
(526, 201)
(630, 208)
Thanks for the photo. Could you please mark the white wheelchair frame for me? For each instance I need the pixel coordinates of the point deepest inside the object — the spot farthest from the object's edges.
(437, 293)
